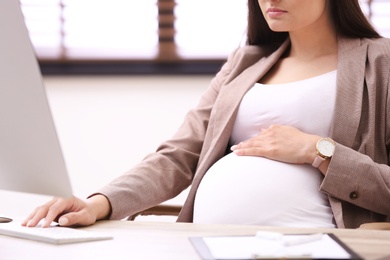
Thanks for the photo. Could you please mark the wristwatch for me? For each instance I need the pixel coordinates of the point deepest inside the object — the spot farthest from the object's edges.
(325, 149)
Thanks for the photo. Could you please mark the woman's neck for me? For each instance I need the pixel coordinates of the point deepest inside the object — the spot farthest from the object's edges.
(313, 47)
(314, 42)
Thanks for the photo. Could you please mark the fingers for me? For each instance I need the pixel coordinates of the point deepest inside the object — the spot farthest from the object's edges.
(59, 207)
(68, 212)
(81, 218)
(38, 214)
(49, 211)
(250, 149)
(281, 143)
(256, 146)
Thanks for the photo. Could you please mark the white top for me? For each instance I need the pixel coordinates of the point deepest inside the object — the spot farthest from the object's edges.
(256, 190)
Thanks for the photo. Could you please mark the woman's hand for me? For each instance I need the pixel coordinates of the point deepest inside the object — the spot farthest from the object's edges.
(70, 212)
(280, 143)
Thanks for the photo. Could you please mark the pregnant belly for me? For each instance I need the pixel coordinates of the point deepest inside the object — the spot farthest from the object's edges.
(256, 190)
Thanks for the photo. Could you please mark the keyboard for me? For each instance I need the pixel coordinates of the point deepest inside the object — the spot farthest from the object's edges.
(52, 234)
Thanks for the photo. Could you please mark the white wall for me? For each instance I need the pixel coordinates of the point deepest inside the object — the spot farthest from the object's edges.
(107, 124)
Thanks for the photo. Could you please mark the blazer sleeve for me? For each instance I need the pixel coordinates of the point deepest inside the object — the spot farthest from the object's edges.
(355, 178)
(361, 176)
(170, 169)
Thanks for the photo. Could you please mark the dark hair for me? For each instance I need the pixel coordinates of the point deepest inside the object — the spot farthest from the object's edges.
(348, 18)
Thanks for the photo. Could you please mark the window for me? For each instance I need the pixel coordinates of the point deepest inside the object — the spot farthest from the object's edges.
(133, 29)
(139, 32)
(92, 29)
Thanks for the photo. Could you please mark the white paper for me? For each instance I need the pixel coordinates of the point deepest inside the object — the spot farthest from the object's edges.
(247, 247)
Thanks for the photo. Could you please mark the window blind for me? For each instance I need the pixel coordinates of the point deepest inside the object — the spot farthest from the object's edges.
(92, 29)
(148, 30)
(165, 30)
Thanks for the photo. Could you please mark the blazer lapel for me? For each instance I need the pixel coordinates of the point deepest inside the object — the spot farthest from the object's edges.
(349, 93)
(230, 100)
(237, 89)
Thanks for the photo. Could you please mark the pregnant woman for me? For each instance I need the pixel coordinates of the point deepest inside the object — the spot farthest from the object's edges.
(294, 130)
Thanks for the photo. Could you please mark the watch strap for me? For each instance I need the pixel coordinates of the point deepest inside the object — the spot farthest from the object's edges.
(317, 161)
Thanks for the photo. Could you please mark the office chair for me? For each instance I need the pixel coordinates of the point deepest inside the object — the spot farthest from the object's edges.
(159, 210)
(376, 226)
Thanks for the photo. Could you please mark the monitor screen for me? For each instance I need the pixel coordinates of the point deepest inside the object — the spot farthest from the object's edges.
(31, 159)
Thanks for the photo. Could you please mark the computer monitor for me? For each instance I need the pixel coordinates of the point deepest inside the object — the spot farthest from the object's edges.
(31, 159)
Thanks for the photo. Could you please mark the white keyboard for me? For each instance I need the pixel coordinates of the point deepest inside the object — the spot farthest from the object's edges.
(53, 235)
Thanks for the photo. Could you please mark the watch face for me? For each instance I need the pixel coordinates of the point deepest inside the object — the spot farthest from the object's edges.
(326, 147)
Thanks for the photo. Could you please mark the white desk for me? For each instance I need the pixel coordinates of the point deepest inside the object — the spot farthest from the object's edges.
(153, 240)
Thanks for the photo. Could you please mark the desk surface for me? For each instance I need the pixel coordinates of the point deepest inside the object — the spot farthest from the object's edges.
(153, 240)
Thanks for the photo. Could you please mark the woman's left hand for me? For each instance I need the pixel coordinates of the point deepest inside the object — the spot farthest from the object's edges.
(280, 143)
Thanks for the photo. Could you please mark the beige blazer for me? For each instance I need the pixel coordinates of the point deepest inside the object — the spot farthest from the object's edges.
(358, 179)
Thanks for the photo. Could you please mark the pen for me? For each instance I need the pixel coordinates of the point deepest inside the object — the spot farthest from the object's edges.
(303, 239)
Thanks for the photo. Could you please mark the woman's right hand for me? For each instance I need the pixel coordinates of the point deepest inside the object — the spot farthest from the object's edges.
(70, 212)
